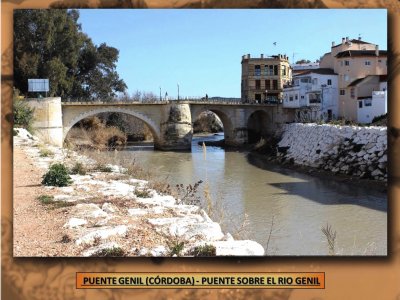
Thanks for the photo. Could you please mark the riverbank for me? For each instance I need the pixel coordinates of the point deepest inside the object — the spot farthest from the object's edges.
(260, 159)
(106, 212)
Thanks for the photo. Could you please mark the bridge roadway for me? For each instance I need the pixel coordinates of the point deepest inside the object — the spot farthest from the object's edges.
(171, 121)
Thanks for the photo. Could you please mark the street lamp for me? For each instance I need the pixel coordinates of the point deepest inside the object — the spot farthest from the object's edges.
(160, 93)
(178, 90)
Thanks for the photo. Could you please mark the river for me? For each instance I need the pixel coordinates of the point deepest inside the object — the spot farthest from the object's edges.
(285, 209)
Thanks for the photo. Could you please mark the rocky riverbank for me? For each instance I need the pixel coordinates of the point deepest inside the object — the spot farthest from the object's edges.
(355, 151)
(108, 213)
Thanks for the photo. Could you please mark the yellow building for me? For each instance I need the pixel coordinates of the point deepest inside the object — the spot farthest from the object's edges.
(263, 78)
(351, 60)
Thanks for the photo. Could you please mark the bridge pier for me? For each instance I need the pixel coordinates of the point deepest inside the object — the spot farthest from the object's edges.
(48, 120)
(176, 131)
(236, 134)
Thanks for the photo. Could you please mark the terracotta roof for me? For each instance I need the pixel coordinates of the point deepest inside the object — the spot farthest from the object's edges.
(354, 53)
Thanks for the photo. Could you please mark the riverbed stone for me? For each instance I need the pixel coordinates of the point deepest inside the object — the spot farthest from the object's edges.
(102, 234)
(238, 248)
(75, 222)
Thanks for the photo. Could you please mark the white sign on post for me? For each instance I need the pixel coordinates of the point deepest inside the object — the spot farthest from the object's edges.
(38, 85)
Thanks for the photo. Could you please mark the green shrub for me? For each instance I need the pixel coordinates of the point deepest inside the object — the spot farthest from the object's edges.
(57, 175)
(110, 252)
(204, 250)
(15, 132)
(175, 247)
(78, 168)
(23, 114)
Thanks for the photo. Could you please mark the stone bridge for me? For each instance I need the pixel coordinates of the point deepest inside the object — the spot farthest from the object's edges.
(171, 122)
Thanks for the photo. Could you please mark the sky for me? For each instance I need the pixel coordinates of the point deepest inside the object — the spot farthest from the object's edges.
(201, 49)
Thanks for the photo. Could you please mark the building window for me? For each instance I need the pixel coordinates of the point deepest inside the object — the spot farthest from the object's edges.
(368, 102)
(266, 68)
(352, 93)
(267, 84)
(315, 81)
(367, 62)
(347, 63)
(302, 97)
(296, 97)
(275, 70)
(257, 70)
(291, 98)
(359, 104)
(258, 84)
(329, 82)
(257, 97)
(271, 70)
(275, 84)
(342, 92)
(283, 71)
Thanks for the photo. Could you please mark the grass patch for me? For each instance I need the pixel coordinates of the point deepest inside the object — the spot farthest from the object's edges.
(45, 152)
(142, 193)
(78, 168)
(49, 200)
(175, 246)
(110, 252)
(103, 168)
(204, 250)
(46, 199)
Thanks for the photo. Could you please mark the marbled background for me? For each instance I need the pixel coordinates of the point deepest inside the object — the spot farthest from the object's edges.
(346, 278)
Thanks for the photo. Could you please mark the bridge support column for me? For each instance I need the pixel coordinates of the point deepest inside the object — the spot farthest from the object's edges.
(176, 131)
(48, 120)
(237, 135)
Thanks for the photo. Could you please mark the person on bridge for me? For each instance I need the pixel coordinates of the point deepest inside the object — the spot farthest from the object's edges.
(206, 97)
(166, 96)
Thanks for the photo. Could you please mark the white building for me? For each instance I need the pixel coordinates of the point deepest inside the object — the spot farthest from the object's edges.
(314, 95)
(373, 105)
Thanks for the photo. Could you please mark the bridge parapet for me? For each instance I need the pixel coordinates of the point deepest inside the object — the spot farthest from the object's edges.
(169, 121)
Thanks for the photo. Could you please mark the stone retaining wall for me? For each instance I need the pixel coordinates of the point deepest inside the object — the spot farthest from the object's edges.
(351, 150)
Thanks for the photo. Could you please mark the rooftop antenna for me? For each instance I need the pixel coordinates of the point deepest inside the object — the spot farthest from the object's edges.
(294, 53)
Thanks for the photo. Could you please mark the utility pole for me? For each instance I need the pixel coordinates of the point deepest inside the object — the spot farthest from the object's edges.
(160, 93)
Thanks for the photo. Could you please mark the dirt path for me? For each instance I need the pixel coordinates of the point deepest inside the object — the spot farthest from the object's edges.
(37, 230)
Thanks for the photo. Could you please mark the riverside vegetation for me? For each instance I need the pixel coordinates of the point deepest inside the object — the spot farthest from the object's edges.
(114, 214)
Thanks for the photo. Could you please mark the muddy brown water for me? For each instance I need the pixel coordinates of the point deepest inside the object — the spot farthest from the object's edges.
(296, 205)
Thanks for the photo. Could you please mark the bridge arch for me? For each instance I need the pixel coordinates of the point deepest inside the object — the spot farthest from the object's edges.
(224, 117)
(154, 128)
(258, 125)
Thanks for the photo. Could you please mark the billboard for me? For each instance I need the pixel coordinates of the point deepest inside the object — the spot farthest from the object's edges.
(38, 85)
